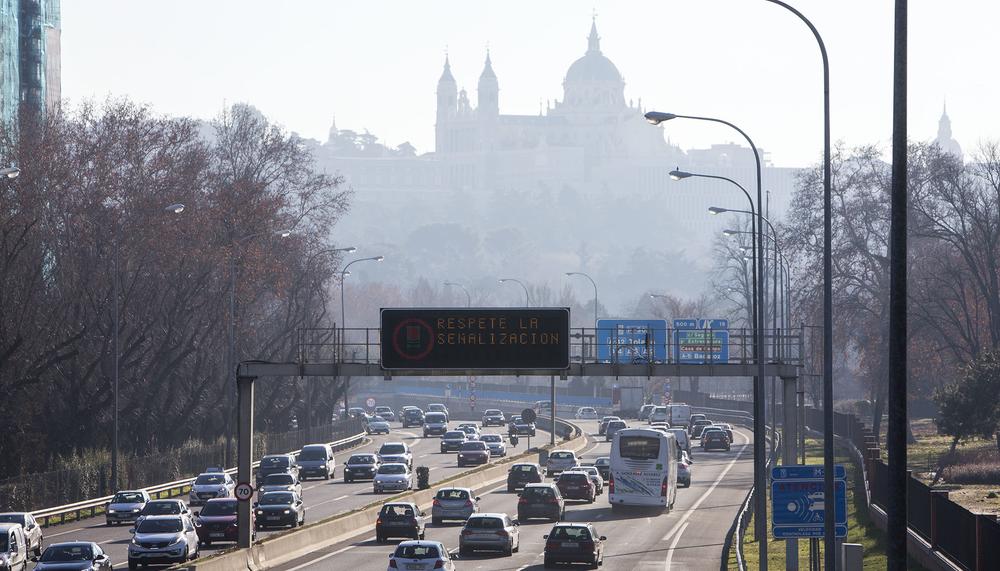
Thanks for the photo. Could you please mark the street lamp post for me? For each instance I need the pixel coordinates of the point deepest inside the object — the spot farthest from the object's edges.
(527, 298)
(593, 283)
(760, 480)
(468, 298)
(343, 316)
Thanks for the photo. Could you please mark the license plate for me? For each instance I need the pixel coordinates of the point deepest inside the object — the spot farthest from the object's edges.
(273, 518)
(217, 535)
(416, 566)
(570, 544)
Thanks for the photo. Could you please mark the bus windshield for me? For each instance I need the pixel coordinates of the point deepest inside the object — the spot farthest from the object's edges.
(639, 447)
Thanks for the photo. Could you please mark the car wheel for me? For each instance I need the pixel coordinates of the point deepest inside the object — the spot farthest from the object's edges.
(509, 551)
(379, 539)
(436, 520)
(348, 480)
(548, 563)
(132, 565)
(510, 489)
(517, 548)
(422, 535)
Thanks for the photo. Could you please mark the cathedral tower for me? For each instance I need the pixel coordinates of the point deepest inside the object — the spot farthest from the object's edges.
(447, 106)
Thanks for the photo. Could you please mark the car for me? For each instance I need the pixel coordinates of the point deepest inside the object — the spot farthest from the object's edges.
(613, 427)
(684, 470)
(279, 483)
(560, 460)
(83, 555)
(540, 501)
(392, 477)
(162, 507)
(663, 425)
(421, 554)
(412, 417)
(493, 417)
(126, 506)
(435, 423)
(603, 465)
(438, 407)
(542, 406)
(494, 442)
(277, 464)
(453, 440)
(683, 440)
(210, 485)
(586, 413)
(715, 439)
(217, 521)
(697, 416)
(395, 453)
(575, 485)
(453, 503)
(518, 425)
(163, 539)
(728, 428)
(400, 519)
(33, 535)
(604, 424)
(469, 428)
(523, 473)
(699, 425)
(356, 412)
(361, 467)
(316, 460)
(474, 452)
(279, 509)
(490, 531)
(644, 411)
(385, 412)
(595, 477)
(377, 425)
(659, 414)
(13, 547)
(574, 543)
(714, 428)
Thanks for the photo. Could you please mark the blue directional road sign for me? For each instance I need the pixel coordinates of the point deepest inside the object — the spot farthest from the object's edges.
(698, 341)
(797, 501)
(631, 340)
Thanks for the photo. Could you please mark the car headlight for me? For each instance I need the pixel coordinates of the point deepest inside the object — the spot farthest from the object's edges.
(136, 510)
(111, 511)
(223, 492)
(134, 542)
(177, 541)
(287, 512)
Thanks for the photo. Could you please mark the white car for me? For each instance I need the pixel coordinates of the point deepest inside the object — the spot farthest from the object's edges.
(376, 425)
(163, 539)
(392, 478)
(420, 555)
(586, 413)
(495, 443)
(659, 414)
(396, 453)
(279, 483)
(559, 461)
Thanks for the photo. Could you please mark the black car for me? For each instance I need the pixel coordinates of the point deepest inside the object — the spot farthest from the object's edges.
(523, 474)
(715, 439)
(493, 416)
(399, 519)
(453, 440)
(518, 425)
(361, 467)
(603, 465)
(540, 501)
(74, 555)
(412, 417)
(576, 486)
(279, 509)
(574, 543)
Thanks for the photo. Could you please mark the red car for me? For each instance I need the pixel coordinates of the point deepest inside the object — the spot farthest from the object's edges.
(576, 486)
(217, 521)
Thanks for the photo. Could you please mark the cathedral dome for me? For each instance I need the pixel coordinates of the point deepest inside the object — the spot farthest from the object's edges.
(593, 67)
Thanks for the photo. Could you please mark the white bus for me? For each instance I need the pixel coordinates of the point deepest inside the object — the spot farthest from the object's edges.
(643, 470)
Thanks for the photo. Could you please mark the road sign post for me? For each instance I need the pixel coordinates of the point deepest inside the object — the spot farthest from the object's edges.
(798, 501)
(631, 341)
(698, 341)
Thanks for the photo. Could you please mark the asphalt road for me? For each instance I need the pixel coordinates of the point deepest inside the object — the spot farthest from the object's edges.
(322, 498)
(688, 537)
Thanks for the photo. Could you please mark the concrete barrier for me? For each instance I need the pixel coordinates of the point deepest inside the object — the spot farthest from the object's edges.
(284, 547)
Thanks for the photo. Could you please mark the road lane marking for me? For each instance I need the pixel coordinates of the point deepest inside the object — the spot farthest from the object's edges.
(673, 544)
(328, 501)
(321, 558)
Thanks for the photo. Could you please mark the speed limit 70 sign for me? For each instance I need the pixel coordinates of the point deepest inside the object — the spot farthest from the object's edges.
(243, 491)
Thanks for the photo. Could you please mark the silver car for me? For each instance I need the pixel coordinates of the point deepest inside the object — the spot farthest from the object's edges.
(280, 483)
(125, 506)
(560, 460)
(392, 477)
(377, 425)
(164, 539)
(396, 453)
(453, 503)
(495, 443)
(32, 531)
(490, 531)
(210, 485)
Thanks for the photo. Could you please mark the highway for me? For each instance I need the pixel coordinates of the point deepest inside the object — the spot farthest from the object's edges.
(688, 537)
(322, 498)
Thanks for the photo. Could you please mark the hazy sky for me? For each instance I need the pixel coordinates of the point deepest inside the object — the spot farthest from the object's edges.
(374, 64)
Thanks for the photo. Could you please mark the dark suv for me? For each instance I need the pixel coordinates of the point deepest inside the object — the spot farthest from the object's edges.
(715, 439)
(523, 474)
(399, 519)
(493, 416)
(576, 486)
(453, 440)
(277, 464)
(540, 501)
(413, 417)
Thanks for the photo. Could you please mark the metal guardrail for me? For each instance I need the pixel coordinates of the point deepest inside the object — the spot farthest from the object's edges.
(91, 508)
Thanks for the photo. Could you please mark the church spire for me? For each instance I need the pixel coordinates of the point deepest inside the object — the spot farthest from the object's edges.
(489, 90)
(446, 76)
(593, 41)
(488, 68)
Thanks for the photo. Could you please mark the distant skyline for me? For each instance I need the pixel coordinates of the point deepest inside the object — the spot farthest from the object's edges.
(374, 64)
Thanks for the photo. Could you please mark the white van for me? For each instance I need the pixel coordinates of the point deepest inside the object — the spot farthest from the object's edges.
(13, 547)
(643, 468)
(316, 460)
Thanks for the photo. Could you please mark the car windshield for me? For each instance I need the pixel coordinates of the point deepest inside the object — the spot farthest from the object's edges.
(570, 533)
(393, 511)
(3, 543)
(209, 479)
(376, 418)
(68, 553)
(639, 447)
(392, 469)
(573, 478)
(279, 480)
(172, 525)
(434, 417)
(602, 462)
(472, 446)
(413, 412)
(616, 424)
(312, 454)
(491, 438)
(484, 523)
(455, 434)
(436, 407)
(382, 409)
(562, 455)
(219, 509)
(361, 459)
(12, 518)
(516, 418)
(492, 412)
(523, 468)
(161, 508)
(452, 495)
(392, 449)
(277, 499)
(275, 461)
(416, 552)
(537, 492)
(128, 498)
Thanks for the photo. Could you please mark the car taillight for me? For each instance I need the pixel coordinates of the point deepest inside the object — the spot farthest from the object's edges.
(522, 501)
(378, 521)
(663, 488)
(392, 563)
(553, 500)
(551, 545)
(468, 503)
(437, 502)
(466, 532)
(501, 533)
(439, 564)
(587, 545)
